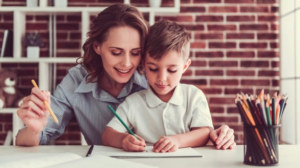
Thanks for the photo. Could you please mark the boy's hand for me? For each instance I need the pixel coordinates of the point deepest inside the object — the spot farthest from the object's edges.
(166, 144)
(131, 144)
(223, 137)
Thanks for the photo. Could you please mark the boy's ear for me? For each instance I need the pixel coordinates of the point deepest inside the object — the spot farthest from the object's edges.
(97, 47)
(186, 65)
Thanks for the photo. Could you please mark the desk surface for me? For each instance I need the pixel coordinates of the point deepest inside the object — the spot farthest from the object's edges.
(212, 158)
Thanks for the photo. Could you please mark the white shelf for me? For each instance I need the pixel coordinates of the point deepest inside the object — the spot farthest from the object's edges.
(40, 60)
(95, 10)
(8, 110)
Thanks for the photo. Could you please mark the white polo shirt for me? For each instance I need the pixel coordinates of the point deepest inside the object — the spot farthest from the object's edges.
(152, 118)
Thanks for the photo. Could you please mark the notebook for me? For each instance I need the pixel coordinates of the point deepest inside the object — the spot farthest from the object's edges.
(62, 160)
(120, 153)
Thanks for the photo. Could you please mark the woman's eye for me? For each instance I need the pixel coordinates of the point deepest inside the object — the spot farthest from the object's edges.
(172, 71)
(153, 70)
(135, 53)
(116, 53)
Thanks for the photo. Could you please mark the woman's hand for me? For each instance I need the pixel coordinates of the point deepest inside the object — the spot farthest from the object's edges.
(131, 144)
(33, 112)
(166, 144)
(223, 137)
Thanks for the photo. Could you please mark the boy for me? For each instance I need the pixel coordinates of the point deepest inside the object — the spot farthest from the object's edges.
(168, 114)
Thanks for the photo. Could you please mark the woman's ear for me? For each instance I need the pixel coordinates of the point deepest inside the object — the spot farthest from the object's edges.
(97, 47)
(186, 65)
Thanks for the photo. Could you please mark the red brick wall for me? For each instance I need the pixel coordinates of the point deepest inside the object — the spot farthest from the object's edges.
(235, 47)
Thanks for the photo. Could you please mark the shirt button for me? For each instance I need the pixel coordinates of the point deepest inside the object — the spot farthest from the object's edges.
(167, 115)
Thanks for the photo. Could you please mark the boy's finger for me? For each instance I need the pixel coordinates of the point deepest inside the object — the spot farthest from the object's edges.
(167, 147)
(222, 132)
(228, 143)
(156, 144)
(161, 146)
(227, 138)
(173, 149)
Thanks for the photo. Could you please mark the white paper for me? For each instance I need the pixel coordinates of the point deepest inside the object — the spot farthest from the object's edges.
(120, 153)
(36, 160)
(101, 161)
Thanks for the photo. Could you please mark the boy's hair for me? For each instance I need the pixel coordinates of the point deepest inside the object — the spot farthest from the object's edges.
(165, 36)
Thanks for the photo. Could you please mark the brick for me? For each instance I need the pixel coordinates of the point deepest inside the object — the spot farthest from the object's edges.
(254, 64)
(26, 72)
(221, 100)
(8, 17)
(221, 27)
(68, 45)
(253, 45)
(253, 27)
(274, 9)
(275, 83)
(274, 27)
(266, 1)
(226, 119)
(177, 18)
(75, 36)
(209, 73)
(188, 73)
(267, 36)
(211, 90)
(198, 45)
(8, 127)
(222, 45)
(219, 110)
(207, 1)
(222, 9)
(255, 82)
(234, 91)
(274, 45)
(36, 26)
(67, 26)
(195, 81)
(41, 18)
(240, 54)
(267, 54)
(239, 1)
(204, 36)
(240, 73)
(209, 18)
(209, 54)
(192, 9)
(254, 9)
(271, 18)
(240, 18)
(270, 73)
(240, 36)
(198, 63)
(232, 110)
(60, 18)
(194, 27)
(223, 63)
(275, 64)
(6, 118)
(29, 17)
(74, 18)
(224, 82)
(185, 1)
(6, 26)
(69, 54)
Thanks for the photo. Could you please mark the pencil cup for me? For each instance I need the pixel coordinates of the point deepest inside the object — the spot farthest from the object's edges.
(261, 145)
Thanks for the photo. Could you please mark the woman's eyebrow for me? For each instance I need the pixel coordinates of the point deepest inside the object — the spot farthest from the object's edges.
(117, 48)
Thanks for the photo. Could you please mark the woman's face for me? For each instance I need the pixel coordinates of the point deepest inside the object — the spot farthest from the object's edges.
(120, 53)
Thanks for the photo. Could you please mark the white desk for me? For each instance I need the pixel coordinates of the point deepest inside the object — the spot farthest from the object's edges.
(289, 156)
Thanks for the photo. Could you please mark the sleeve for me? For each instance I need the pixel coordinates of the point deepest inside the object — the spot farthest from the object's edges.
(62, 109)
(122, 111)
(201, 116)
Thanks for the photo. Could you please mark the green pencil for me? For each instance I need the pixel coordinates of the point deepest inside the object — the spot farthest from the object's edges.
(122, 122)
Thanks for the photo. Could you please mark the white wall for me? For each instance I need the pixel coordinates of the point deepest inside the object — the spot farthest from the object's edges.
(290, 68)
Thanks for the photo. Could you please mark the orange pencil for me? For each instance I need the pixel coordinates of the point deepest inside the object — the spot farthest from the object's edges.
(46, 104)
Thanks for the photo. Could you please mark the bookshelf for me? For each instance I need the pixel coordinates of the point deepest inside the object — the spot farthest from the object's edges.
(19, 28)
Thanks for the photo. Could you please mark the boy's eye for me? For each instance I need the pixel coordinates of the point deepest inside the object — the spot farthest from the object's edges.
(153, 70)
(172, 71)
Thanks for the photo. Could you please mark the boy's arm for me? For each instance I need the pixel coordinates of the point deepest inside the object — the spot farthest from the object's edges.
(196, 137)
(111, 137)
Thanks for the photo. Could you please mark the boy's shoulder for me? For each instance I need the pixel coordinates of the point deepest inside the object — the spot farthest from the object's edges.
(192, 89)
(136, 96)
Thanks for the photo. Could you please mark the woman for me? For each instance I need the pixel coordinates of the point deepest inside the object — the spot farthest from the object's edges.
(106, 74)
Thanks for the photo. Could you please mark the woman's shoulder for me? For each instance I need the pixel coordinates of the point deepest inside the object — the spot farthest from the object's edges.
(74, 76)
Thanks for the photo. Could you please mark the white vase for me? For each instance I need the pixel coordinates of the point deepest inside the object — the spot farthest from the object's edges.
(155, 3)
(31, 3)
(61, 3)
(43, 3)
(33, 52)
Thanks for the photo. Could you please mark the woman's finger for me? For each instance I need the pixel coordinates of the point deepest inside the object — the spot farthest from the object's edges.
(39, 94)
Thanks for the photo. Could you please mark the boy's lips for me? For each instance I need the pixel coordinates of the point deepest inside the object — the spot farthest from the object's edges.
(161, 86)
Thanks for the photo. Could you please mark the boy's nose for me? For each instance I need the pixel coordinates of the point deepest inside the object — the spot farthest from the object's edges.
(162, 78)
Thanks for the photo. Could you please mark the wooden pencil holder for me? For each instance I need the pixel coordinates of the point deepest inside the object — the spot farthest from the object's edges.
(261, 145)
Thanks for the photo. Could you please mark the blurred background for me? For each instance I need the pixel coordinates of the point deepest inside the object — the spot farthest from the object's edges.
(236, 45)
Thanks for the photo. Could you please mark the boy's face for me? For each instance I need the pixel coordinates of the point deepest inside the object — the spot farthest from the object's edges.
(164, 75)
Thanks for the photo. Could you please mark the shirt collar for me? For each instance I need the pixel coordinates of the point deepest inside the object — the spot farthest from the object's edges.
(153, 100)
(85, 87)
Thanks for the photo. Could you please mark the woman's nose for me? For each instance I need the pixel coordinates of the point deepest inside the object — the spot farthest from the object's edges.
(126, 61)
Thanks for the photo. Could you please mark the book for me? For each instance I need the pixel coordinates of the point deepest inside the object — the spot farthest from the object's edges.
(120, 153)
(7, 44)
(62, 160)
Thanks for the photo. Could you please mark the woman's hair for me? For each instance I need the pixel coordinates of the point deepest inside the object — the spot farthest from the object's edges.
(113, 16)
